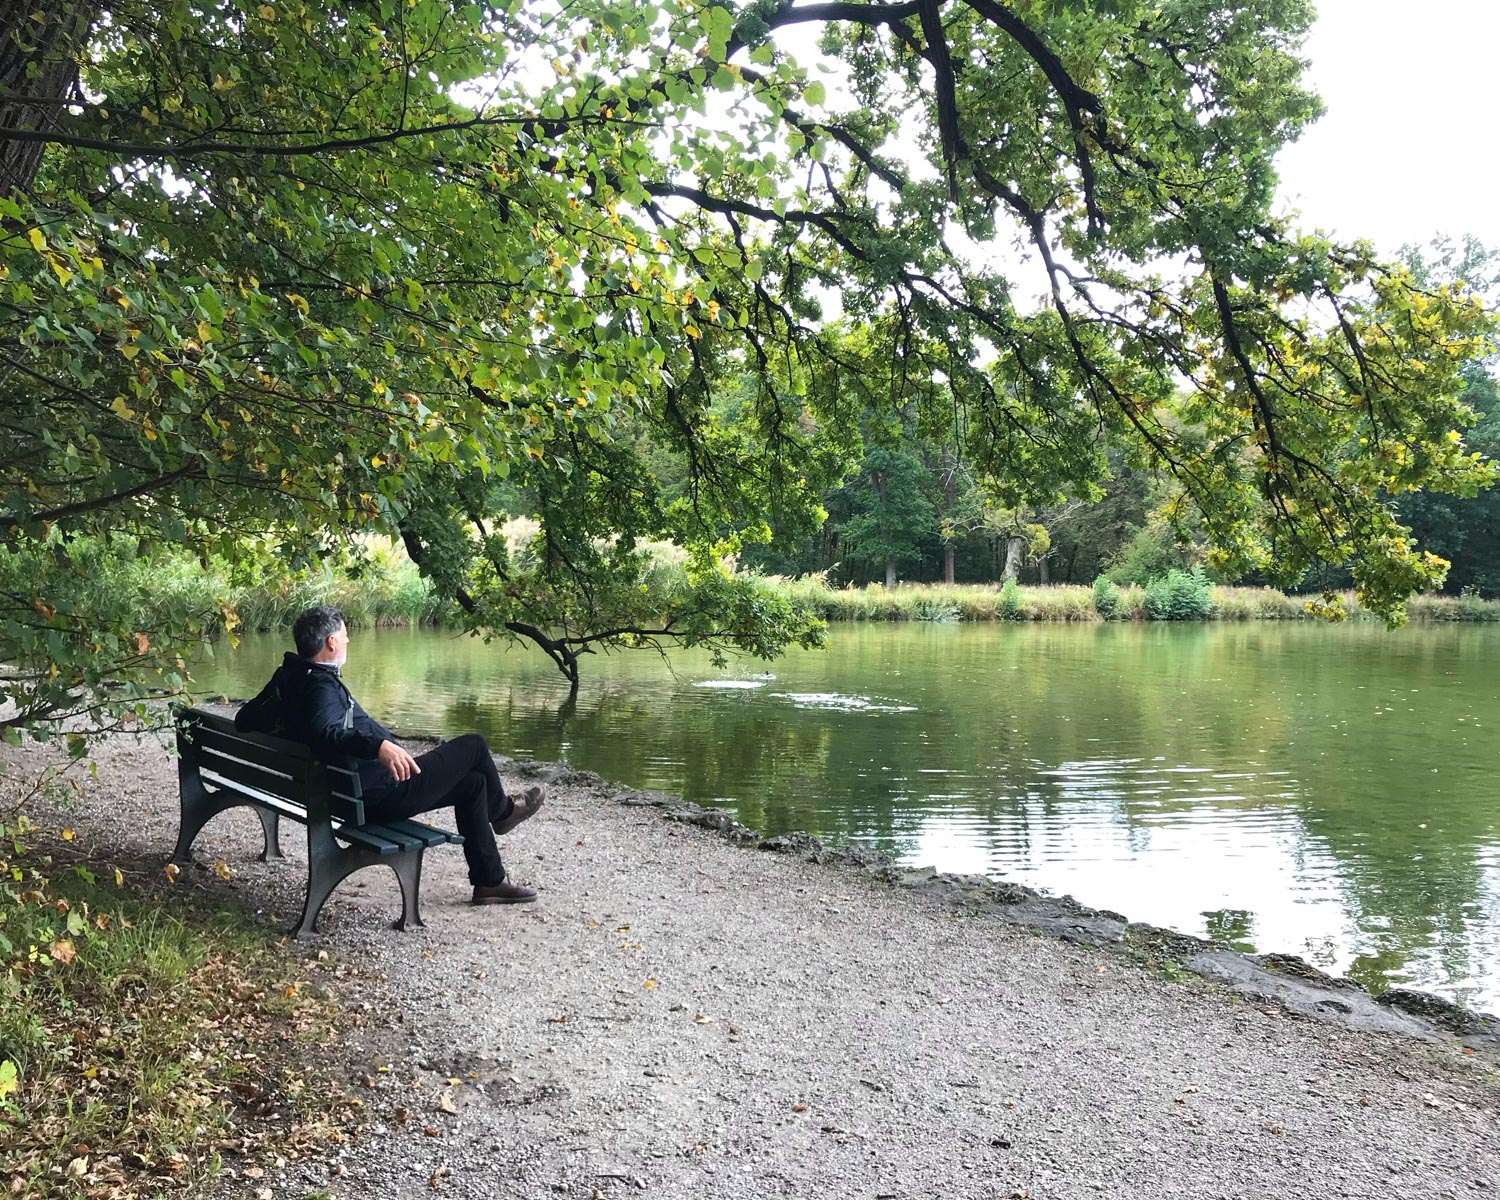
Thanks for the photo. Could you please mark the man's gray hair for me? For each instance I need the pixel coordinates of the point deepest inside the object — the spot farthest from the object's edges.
(314, 626)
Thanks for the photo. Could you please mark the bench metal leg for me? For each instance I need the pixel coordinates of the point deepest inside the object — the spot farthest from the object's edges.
(270, 824)
(408, 869)
(328, 864)
(199, 806)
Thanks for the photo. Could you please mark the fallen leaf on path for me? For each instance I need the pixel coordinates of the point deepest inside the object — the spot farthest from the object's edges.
(701, 1019)
(445, 1102)
(401, 1113)
(649, 984)
(799, 1107)
(171, 871)
(431, 1130)
(221, 869)
(437, 1177)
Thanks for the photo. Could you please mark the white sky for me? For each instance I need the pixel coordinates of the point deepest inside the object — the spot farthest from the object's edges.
(1410, 145)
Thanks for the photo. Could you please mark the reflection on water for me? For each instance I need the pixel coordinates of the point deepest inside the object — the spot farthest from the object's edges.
(1323, 791)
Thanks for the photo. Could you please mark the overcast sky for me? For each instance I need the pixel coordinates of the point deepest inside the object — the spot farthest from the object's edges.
(1410, 145)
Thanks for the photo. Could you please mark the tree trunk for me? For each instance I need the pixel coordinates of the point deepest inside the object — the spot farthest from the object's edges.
(950, 493)
(38, 78)
(890, 572)
(1014, 551)
(1041, 566)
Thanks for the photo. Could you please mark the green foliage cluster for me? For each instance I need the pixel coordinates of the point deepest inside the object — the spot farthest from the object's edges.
(1180, 596)
(1107, 598)
(1009, 607)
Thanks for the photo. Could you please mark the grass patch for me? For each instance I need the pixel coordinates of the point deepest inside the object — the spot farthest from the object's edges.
(143, 1037)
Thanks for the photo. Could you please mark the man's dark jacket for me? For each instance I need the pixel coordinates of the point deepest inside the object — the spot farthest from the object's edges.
(307, 702)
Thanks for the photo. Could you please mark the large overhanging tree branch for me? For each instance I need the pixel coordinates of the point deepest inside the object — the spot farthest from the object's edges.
(291, 266)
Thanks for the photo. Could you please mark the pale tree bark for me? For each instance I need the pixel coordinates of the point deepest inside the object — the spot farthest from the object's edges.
(890, 572)
(38, 78)
(1015, 549)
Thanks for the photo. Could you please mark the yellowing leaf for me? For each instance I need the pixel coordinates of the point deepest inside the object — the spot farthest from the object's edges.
(67, 835)
(171, 871)
(128, 351)
(119, 878)
(63, 951)
(221, 869)
(649, 984)
(205, 331)
(267, 13)
(122, 409)
(8, 1081)
(37, 240)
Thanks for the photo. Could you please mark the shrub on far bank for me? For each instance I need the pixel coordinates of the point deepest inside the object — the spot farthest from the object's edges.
(1179, 596)
(1009, 608)
(1106, 597)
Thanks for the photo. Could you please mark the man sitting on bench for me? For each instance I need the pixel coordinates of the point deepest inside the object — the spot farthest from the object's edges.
(306, 701)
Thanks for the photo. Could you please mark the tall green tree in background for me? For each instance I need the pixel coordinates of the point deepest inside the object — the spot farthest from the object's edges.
(886, 515)
(303, 269)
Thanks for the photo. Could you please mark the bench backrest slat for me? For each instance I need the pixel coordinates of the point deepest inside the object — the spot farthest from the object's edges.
(262, 779)
(286, 758)
(343, 797)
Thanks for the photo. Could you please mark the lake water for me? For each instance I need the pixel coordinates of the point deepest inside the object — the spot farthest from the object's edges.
(1325, 791)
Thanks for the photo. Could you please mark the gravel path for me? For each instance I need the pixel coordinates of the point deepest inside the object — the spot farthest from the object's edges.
(680, 1017)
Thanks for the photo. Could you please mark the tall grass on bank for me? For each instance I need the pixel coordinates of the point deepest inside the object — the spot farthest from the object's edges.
(1071, 602)
(158, 587)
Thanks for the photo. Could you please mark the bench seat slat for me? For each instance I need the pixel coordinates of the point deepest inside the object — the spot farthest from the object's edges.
(372, 837)
(428, 835)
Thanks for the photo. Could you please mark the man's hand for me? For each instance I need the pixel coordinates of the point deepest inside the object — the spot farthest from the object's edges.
(397, 761)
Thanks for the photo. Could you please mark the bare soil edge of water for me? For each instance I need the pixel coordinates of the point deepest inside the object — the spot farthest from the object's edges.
(681, 1016)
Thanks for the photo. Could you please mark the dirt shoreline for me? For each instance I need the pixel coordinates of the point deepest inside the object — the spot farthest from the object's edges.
(682, 1016)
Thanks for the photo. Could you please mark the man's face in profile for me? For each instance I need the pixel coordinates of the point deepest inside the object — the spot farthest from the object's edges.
(339, 641)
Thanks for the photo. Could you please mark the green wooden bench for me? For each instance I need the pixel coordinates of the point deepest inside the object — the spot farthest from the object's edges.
(220, 768)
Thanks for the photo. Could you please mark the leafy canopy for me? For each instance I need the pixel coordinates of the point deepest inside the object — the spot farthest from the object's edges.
(320, 267)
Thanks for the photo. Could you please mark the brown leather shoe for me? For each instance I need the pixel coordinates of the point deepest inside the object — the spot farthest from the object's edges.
(504, 892)
(521, 809)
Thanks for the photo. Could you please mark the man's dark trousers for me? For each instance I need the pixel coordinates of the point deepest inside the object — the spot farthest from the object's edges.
(460, 773)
